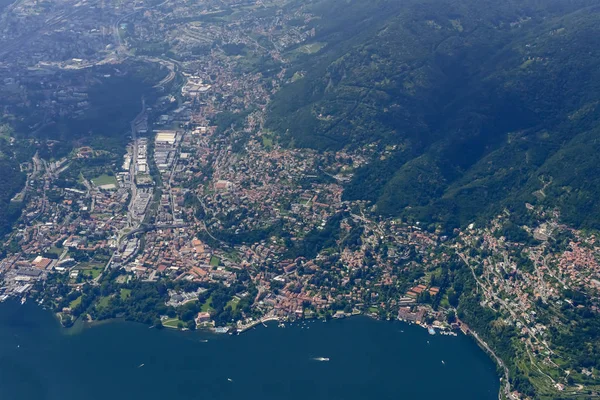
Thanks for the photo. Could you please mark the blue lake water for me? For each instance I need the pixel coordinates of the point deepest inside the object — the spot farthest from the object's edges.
(368, 359)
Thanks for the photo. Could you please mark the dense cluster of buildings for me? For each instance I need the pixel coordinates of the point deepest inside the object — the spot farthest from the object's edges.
(208, 202)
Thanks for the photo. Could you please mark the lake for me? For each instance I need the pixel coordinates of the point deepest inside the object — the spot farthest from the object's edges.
(368, 359)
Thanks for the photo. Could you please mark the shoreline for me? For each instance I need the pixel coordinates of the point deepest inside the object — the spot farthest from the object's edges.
(79, 326)
(168, 352)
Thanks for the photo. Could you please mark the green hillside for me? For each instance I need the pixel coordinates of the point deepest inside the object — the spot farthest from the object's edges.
(487, 102)
(12, 181)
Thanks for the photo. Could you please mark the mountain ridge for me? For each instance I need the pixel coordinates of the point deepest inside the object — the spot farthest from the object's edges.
(478, 97)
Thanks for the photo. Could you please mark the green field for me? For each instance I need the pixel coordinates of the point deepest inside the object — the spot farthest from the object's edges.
(267, 141)
(172, 323)
(55, 250)
(90, 271)
(233, 303)
(5, 131)
(312, 48)
(103, 302)
(297, 76)
(75, 302)
(207, 306)
(125, 293)
(214, 261)
(104, 180)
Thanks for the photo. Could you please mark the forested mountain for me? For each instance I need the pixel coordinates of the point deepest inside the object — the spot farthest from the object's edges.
(487, 104)
(12, 180)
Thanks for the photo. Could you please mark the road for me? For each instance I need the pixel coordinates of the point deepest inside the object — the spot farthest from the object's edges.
(506, 387)
(134, 130)
(130, 220)
(514, 316)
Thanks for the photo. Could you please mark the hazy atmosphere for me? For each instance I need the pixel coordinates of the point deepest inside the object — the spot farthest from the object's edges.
(300, 198)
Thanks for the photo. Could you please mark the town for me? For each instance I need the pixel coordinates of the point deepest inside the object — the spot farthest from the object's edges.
(204, 208)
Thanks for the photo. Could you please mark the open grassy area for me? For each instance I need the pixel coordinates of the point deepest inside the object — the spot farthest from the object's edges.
(103, 302)
(91, 273)
(312, 48)
(233, 303)
(214, 261)
(75, 302)
(172, 323)
(125, 293)
(5, 130)
(267, 141)
(207, 306)
(297, 76)
(55, 250)
(104, 180)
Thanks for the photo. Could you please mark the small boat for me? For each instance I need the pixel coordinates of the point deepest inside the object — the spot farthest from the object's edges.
(230, 380)
(321, 358)
(443, 362)
(141, 365)
(431, 331)
(23, 300)
(204, 341)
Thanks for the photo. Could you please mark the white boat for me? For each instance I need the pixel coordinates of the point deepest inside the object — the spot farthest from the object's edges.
(321, 358)
(23, 300)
